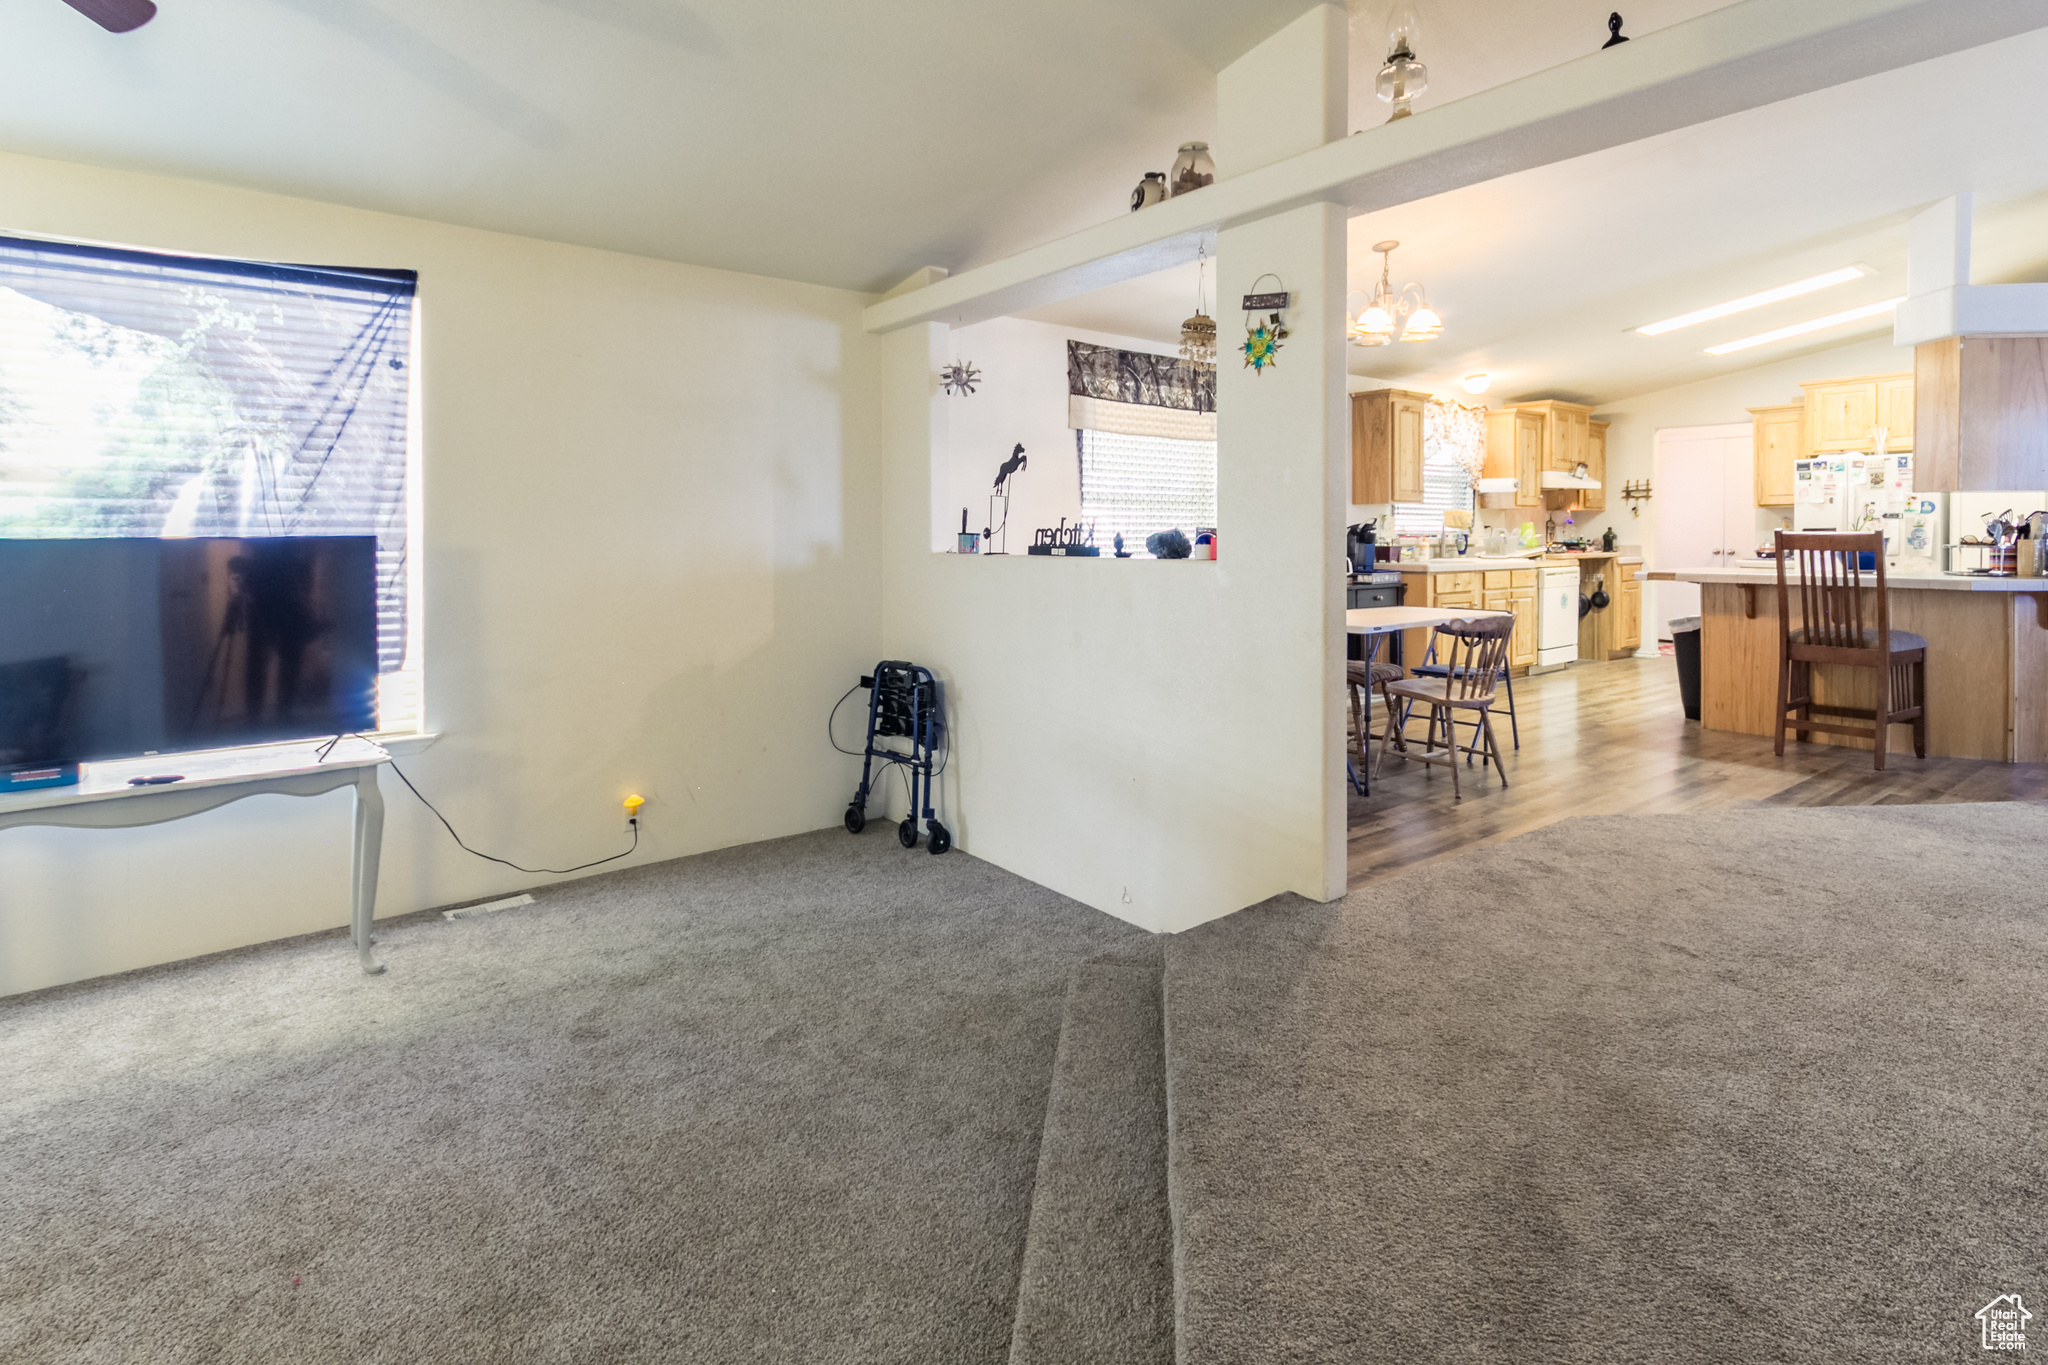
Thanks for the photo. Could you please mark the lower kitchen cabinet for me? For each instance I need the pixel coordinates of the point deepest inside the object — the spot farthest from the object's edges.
(1511, 590)
(1630, 627)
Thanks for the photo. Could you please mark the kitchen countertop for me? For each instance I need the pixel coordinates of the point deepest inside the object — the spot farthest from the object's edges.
(1766, 572)
(1484, 564)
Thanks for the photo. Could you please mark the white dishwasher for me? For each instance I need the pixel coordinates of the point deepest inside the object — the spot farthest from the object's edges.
(1557, 616)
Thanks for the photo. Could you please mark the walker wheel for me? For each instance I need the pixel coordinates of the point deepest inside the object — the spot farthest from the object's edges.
(941, 839)
(906, 833)
(856, 819)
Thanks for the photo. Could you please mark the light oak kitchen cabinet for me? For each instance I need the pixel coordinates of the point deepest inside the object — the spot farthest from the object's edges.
(1780, 439)
(1525, 440)
(1509, 590)
(1386, 446)
(1630, 626)
(1595, 499)
(1514, 450)
(1841, 412)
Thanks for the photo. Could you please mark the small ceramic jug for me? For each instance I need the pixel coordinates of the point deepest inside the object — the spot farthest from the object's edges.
(1150, 190)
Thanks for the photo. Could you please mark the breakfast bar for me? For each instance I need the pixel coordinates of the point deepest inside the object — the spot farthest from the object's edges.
(1987, 658)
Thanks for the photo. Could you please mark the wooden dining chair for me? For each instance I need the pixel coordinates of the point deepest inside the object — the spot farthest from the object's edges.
(1476, 654)
(1845, 618)
(1363, 677)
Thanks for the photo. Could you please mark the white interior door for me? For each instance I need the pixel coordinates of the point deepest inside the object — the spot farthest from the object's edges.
(1692, 470)
(1738, 497)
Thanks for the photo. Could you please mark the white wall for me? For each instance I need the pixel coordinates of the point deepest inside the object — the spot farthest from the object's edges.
(650, 564)
(1159, 739)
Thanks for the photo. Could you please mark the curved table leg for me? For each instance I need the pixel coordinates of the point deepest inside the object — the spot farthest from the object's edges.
(369, 844)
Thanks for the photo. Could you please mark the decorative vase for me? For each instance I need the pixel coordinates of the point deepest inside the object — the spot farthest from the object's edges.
(1192, 169)
(1150, 190)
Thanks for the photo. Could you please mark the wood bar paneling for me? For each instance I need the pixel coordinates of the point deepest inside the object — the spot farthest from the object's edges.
(1987, 670)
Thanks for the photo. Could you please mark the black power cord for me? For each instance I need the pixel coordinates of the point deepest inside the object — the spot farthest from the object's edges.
(632, 820)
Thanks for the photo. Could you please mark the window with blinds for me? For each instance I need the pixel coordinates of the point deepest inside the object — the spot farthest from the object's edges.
(144, 394)
(1135, 485)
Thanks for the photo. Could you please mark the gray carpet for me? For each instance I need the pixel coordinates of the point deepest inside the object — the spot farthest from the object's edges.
(1761, 1086)
(780, 1103)
(1097, 1286)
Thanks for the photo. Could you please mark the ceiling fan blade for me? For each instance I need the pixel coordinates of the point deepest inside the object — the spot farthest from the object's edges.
(116, 16)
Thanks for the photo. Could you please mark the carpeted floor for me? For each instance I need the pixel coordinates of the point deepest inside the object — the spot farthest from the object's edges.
(1758, 1086)
(1097, 1284)
(1752, 1087)
(780, 1103)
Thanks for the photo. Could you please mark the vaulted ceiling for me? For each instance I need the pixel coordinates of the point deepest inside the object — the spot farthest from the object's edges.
(849, 145)
(839, 143)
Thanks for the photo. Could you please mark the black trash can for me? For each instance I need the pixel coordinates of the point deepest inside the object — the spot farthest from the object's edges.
(1685, 643)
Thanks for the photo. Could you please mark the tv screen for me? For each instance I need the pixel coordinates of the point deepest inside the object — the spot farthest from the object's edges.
(112, 648)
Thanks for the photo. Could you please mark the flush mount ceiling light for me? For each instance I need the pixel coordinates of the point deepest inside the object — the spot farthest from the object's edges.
(1748, 301)
(1477, 383)
(1378, 321)
(1802, 328)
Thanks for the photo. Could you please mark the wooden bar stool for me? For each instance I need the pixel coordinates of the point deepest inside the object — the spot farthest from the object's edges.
(1835, 627)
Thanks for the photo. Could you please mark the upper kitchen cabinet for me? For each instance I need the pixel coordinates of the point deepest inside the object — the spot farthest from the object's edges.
(1524, 441)
(1514, 450)
(1780, 439)
(1595, 499)
(1895, 411)
(1386, 446)
(1841, 412)
(1570, 432)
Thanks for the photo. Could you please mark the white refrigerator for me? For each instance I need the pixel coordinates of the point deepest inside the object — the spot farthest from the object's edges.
(1872, 492)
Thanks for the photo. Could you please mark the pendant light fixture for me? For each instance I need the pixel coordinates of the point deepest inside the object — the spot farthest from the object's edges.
(1198, 333)
(1403, 77)
(1379, 321)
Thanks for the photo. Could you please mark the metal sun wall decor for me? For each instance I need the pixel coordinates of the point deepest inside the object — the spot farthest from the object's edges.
(1262, 339)
(959, 377)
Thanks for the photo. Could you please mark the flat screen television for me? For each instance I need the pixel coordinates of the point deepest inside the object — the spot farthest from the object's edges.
(115, 648)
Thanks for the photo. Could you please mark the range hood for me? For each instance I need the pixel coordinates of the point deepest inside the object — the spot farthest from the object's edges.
(1550, 478)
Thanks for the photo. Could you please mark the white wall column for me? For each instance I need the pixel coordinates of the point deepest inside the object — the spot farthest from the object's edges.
(1282, 439)
(1282, 435)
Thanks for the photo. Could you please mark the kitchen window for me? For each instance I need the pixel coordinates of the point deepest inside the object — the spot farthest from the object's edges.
(144, 394)
(1135, 485)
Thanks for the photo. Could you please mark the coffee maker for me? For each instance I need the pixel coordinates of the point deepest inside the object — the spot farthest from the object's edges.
(1359, 544)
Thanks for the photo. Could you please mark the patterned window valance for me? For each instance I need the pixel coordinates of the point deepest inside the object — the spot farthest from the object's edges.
(1160, 381)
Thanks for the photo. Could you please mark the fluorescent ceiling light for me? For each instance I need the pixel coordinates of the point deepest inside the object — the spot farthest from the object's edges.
(1783, 291)
(1802, 328)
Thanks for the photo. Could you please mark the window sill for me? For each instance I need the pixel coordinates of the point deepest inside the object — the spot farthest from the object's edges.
(405, 744)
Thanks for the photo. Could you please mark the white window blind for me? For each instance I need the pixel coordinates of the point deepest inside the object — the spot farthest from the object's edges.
(1135, 485)
(145, 394)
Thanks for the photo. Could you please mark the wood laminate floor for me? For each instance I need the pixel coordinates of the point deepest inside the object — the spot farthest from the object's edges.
(1611, 739)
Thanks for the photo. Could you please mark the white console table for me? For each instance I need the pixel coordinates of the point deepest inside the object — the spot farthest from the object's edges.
(103, 799)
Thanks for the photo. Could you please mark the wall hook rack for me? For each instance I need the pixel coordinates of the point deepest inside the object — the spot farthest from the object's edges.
(1633, 492)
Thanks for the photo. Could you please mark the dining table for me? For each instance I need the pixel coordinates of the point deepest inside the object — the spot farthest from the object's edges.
(1376, 622)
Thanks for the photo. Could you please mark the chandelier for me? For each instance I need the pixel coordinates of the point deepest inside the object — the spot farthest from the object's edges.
(1381, 318)
(1198, 333)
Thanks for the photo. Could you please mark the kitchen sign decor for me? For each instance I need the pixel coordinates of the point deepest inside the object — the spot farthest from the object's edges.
(1262, 339)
